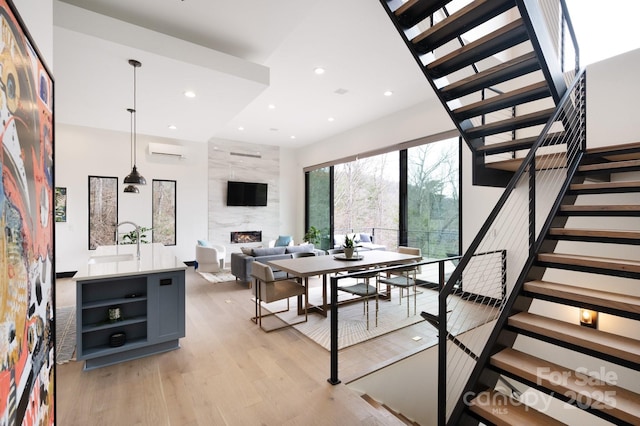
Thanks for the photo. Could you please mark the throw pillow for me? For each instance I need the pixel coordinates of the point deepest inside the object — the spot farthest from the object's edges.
(268, 251)
(247, 250)
(203, 243)
(283, 240)
(365, 238)
(303, 248)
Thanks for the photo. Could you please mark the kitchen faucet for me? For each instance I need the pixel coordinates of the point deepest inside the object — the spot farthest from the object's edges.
(137, 231)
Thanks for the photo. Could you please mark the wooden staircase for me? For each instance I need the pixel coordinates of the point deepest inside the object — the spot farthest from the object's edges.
(499, 106)
(583, 269)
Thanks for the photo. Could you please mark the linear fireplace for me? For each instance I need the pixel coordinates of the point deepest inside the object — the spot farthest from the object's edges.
(246, 237)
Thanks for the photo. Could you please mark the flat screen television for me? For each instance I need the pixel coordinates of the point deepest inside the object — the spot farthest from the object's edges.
(246, 194)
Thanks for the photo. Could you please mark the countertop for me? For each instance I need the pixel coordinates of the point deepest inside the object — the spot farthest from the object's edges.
(153, 258)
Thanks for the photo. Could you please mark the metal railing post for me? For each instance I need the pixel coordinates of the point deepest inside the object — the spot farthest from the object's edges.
(442, 359)
(333, 379)
(532, 206)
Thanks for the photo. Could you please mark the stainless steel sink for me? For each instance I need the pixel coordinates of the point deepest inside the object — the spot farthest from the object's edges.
(111, 258)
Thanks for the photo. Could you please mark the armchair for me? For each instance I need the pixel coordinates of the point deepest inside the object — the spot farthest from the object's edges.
(210, 257)
(268, 289)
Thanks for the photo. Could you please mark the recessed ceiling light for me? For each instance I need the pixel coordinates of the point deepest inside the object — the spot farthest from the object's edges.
(240, 128)
(272, 106)
(172, 126)
(388, 93)
(318, 70)
(293, 136)
(190, 94)
(330, 119)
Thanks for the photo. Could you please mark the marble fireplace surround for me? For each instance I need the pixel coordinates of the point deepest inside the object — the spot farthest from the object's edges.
(259, 163)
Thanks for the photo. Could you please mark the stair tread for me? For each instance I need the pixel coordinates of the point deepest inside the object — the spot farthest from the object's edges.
(611, 166)
(612, 148)
(511, 165)
(504, 100)
(590, 338)
(604, 185)
(602, 233)
(502, 410)
(497, 74)
(618, 402)
(601, 207)
(414, 11)
(501, 39)
(582, 295)
(377, 405)
(517, 144)
(461, 21)
(593, 261)
(526, 120)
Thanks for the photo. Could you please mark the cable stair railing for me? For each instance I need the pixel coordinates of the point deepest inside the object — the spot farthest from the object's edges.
(544, 142)
(521, 215)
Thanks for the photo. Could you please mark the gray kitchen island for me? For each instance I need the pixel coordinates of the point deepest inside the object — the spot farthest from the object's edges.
(127, 308)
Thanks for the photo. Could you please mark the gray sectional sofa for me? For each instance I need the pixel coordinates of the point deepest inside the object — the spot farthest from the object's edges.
(241, 262)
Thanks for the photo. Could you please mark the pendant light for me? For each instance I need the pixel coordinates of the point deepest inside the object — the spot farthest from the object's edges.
(131, 188)
(134, 178)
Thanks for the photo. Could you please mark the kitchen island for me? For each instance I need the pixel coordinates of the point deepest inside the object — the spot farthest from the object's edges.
(126, 307)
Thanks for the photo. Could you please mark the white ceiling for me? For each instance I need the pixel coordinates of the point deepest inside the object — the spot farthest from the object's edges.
(239, 56)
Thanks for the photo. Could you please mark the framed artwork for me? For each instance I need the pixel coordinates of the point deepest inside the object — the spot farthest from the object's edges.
(27, 370)
(164, 212)
(103, 210)
(61, 204)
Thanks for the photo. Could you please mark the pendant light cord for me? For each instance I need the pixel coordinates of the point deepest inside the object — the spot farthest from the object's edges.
(132, 150)
(135, 130)
(134, 178)
(135, 64)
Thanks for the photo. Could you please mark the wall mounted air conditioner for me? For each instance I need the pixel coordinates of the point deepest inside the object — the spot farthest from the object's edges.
(166, 149)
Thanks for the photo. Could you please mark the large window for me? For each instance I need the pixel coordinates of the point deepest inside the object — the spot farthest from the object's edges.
(433, 198)
(366, 198)
(318, 205)
(409, 196)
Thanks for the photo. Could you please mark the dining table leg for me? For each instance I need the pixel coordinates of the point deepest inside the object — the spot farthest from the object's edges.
(305, 281)
(325, 305)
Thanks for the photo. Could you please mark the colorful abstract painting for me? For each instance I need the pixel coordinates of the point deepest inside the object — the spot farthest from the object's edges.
(26, 243)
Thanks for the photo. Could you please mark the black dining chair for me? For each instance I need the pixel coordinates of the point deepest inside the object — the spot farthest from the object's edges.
(363, 289)
(404, 278)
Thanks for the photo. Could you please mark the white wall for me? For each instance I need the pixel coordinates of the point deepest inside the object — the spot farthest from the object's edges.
(612, 100)
(38, 17)
(81, 151)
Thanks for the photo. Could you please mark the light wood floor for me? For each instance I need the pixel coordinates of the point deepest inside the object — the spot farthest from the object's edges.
(227, 372)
